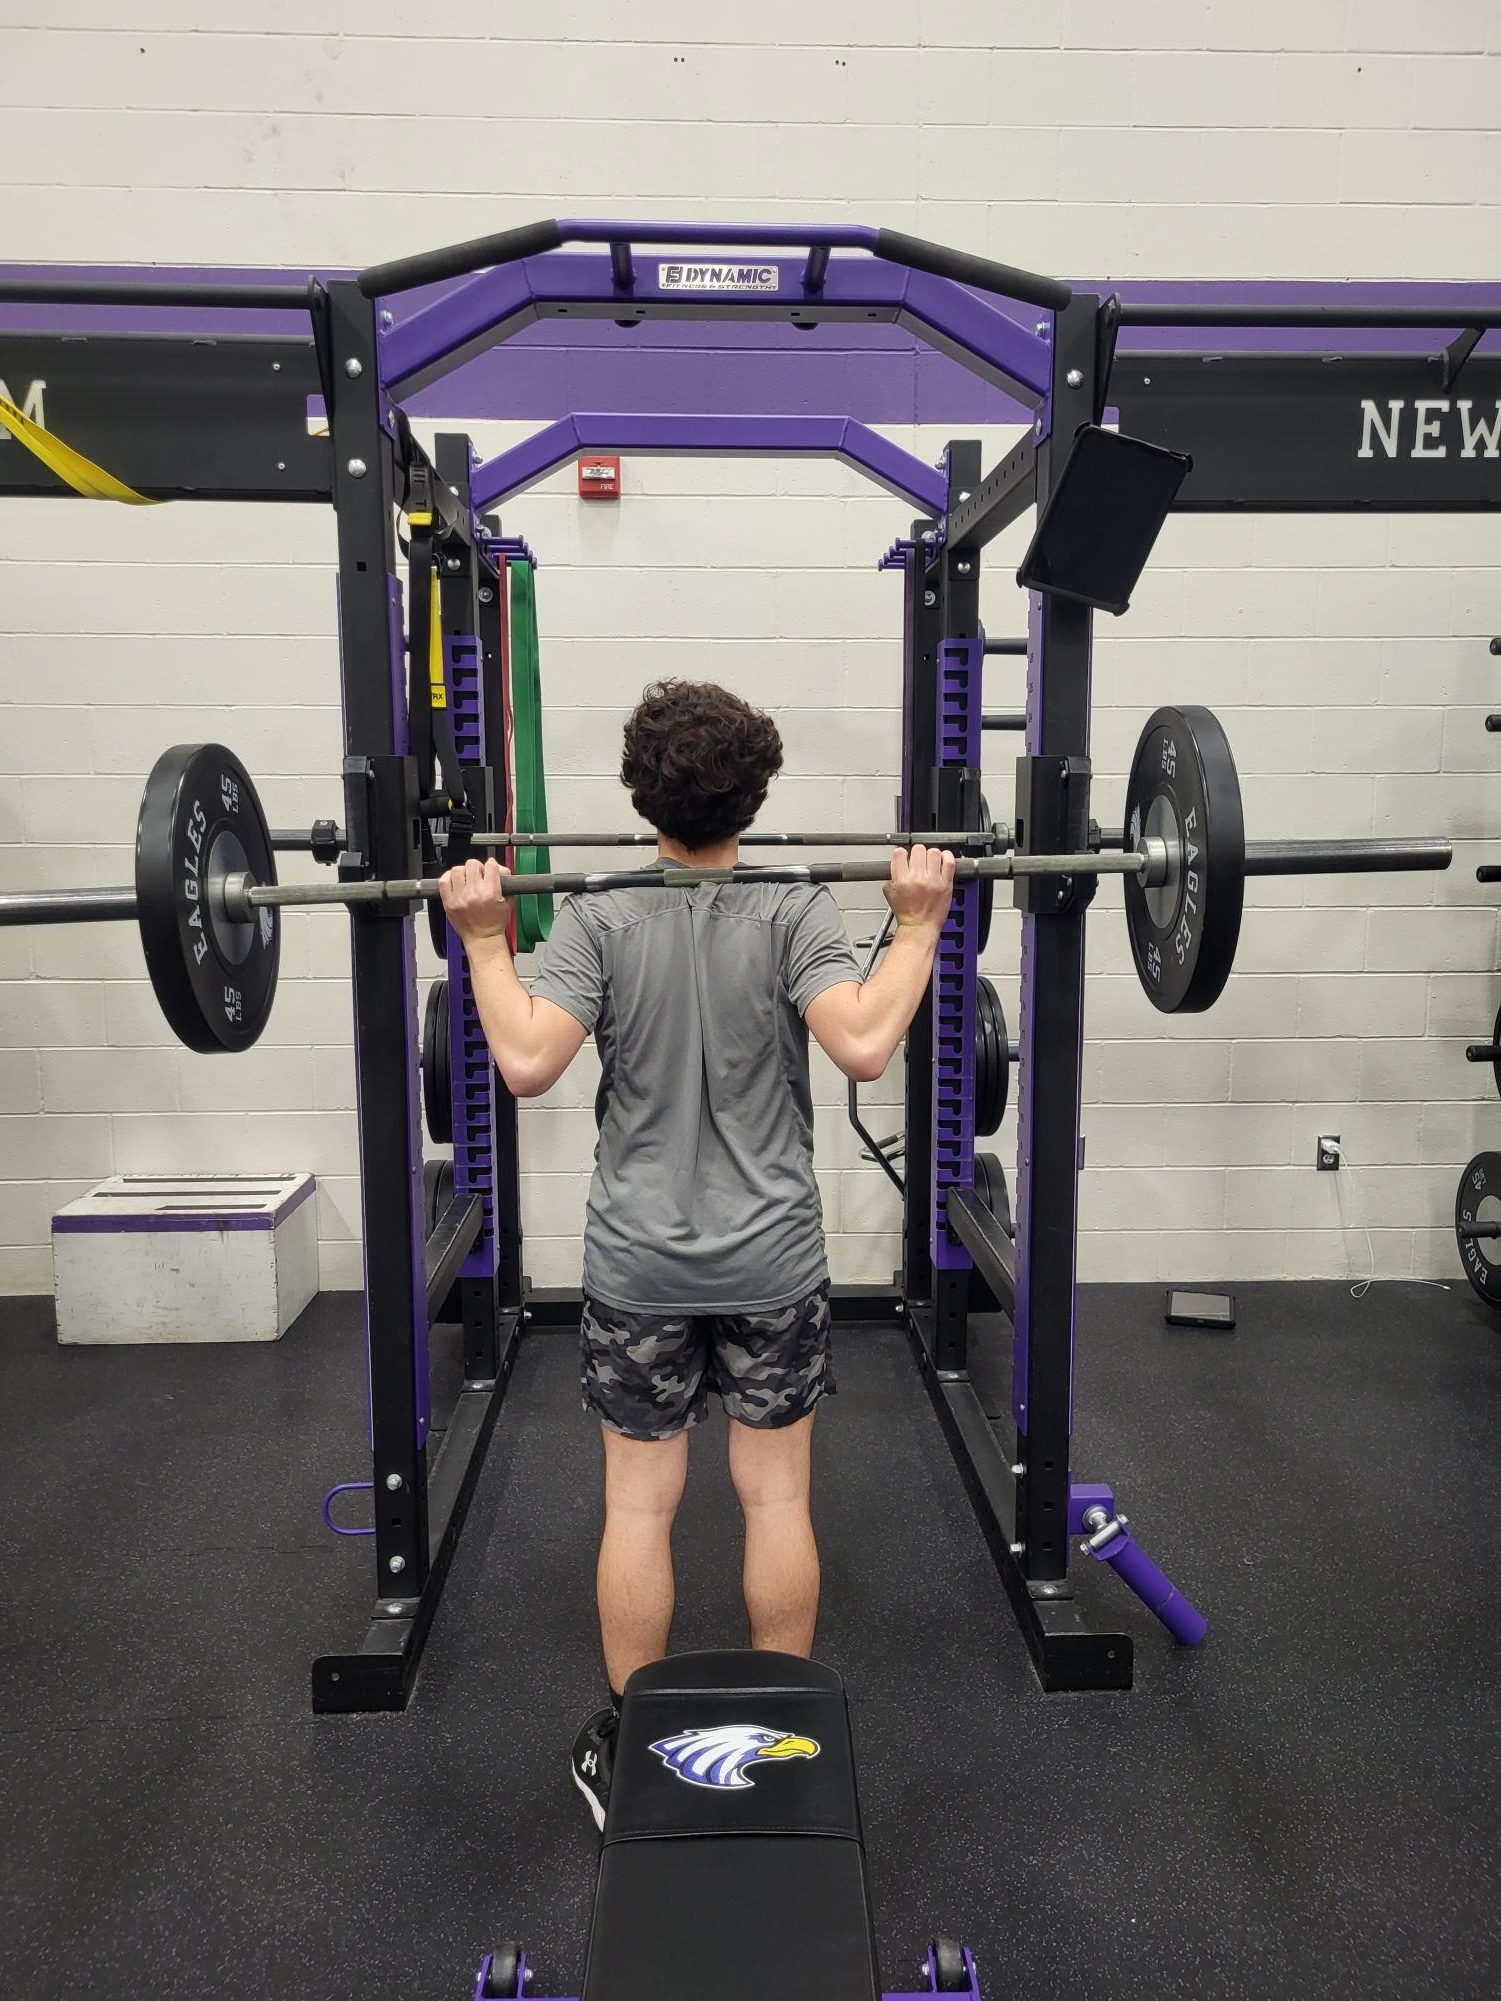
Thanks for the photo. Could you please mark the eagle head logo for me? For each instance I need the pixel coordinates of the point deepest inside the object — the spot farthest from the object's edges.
(719, 1757)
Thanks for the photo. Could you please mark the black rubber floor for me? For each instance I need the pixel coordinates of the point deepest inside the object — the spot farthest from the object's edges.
(1307, 1806)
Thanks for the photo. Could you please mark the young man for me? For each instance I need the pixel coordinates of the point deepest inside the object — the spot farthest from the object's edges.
(704, 1259)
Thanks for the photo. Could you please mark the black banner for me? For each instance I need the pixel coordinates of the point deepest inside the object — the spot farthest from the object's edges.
(177, 416)
(1302, 433)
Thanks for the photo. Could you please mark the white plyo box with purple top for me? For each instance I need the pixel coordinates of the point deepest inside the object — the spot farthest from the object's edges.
(187, 1257)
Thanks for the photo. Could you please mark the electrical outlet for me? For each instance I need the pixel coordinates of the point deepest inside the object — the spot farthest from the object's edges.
(1326, 1160)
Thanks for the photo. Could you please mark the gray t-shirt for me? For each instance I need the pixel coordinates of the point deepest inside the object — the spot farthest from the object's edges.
(703, 1196)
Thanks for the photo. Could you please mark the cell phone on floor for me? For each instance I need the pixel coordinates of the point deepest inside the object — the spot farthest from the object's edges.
(1200, 1309)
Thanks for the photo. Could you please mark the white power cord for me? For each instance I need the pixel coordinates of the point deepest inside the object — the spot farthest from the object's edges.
(1363, 1286)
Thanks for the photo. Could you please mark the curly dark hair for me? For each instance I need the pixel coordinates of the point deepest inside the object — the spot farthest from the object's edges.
(698, 761)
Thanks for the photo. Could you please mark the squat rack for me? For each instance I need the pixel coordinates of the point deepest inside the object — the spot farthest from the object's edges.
(177, 416)
(177, 413)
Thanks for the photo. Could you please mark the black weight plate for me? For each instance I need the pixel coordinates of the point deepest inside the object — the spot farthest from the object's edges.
(1184, 789)
(200, 820)
(1479, 1201)
(437, 1190)
(437, 1095)
(993, 1190)
(982, 1058)
(987, 1090)
(437, 926)
(437, 1193)
(1003, 1056)
(1496, 1044)
(999, 1079)
(987, 884)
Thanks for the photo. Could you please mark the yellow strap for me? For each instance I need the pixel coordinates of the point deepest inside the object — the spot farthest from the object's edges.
(85, 478)
(435, 680)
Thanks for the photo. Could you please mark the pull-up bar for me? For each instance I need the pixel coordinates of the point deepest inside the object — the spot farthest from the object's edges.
(509, 246)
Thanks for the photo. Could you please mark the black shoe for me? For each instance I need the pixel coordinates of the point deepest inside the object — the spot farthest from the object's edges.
(593, 1761)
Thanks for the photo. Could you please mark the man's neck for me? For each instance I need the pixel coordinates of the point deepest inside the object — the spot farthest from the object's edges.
(723, 854)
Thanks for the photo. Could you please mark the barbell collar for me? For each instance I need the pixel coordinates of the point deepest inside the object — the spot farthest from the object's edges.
(322, 838)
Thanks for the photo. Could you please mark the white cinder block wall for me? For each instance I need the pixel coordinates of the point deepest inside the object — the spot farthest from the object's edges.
(1192, 139)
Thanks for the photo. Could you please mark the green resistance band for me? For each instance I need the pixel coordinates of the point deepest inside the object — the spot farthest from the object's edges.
(533, 913)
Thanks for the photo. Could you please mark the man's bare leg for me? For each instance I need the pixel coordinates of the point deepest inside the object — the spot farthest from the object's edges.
(643, 1485)
(772, 1472)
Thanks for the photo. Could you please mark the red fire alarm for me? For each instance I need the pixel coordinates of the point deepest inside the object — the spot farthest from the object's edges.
(599, 479)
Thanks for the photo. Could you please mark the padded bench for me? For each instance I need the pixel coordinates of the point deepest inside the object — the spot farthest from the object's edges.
(733, 1867)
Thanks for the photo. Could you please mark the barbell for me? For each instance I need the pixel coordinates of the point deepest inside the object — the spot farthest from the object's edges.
(206, 896)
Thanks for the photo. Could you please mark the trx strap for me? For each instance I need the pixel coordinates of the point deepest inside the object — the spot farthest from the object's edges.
(421, 625)
(430, 729)
(88, 480)
(529, 801)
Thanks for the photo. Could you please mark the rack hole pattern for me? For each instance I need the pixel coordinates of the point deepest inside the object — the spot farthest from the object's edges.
(960, 671)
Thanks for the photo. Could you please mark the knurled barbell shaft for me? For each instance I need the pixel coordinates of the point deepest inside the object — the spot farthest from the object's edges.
(294, 840)
(92, 906)
(242, 896)
(1262, 857)
(511, 838)
(1368, 857)
(66, 906)
(299, 840)
(1356, 857)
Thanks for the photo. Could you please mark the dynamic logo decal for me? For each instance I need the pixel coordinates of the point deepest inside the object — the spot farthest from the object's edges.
(718, 277)
(718, 1758)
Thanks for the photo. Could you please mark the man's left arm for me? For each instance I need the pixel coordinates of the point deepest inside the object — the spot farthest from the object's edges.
(532, 1039)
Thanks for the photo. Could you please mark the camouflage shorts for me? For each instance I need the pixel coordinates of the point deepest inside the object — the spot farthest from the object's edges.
(648, 1375)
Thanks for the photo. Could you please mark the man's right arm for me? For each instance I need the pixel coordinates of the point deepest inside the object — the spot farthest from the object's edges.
(860, 1027)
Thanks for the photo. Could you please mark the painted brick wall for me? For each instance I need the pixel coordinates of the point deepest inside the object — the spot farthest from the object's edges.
(1197, 138)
